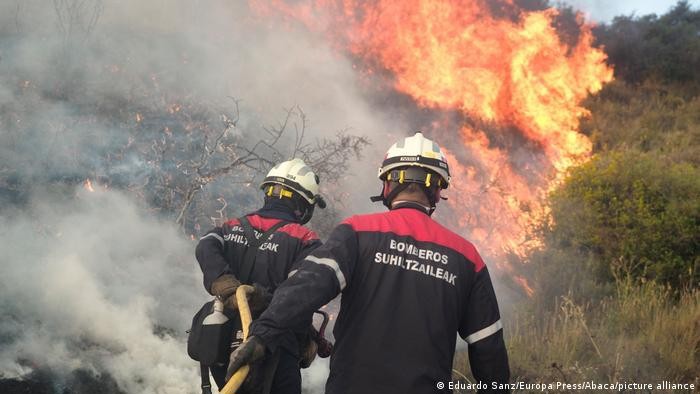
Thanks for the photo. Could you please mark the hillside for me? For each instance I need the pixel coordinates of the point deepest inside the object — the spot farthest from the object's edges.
(128, 130)
(617, 282)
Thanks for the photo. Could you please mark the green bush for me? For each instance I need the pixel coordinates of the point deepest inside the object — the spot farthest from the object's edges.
(617, 282)
(634, 212)
(665, 47)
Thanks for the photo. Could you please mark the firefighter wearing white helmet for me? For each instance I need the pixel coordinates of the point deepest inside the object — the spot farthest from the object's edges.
(294, 180)
(414, 160)
(291, 192)
(409, 285)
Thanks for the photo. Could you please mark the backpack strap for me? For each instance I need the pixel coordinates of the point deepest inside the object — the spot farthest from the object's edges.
(253, 245)
(206, 383)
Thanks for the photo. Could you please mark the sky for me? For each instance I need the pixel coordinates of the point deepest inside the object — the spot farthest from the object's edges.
(606, 10)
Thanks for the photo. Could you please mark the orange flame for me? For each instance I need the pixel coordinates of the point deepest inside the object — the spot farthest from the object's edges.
(524, 284)
(88, 185)
(518, 85)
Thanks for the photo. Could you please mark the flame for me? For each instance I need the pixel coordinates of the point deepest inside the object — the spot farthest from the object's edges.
(174, 108)
(88, 185)
(524, 284)
(516, 83)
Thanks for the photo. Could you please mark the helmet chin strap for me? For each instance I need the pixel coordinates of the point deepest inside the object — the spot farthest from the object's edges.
(304, 211)
(305, 215)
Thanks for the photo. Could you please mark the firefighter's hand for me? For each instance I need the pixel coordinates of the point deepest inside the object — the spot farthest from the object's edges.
(225, 288)
(250, 351)
(258, 300)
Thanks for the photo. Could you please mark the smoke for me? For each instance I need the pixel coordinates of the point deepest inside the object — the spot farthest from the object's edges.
(92, 283)
(97, 282)
(314, 378)
(75, 76)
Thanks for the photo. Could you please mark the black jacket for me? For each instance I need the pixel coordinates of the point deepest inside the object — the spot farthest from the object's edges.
(409, 286)
(221, 251)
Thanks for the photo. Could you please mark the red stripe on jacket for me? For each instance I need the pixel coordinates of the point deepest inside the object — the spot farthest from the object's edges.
(263, 224)
(419, 226)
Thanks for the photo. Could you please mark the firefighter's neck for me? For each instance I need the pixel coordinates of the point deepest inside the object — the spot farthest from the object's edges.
(411, 198)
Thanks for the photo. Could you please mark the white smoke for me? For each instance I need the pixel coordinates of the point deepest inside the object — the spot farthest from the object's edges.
(314, 378)
(163, 52)
(95, 283)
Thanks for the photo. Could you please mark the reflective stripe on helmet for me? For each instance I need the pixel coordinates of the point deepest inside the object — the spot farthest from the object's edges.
(416, 160)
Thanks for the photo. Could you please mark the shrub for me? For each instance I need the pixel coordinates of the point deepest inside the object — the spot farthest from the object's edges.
(631, 211)
(664, 47)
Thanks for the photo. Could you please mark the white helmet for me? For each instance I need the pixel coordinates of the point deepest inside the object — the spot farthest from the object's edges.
(416, 151)
(296, 175)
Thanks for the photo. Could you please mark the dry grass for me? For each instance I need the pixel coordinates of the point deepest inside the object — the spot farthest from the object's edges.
(645, 333)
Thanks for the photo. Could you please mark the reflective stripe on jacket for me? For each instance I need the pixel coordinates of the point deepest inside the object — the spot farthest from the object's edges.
(409, 286)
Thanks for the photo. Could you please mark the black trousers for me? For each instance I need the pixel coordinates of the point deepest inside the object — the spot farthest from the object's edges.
(286, 378)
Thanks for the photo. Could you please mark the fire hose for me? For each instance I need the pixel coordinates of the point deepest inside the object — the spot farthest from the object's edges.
(244, 310)
(324, 346)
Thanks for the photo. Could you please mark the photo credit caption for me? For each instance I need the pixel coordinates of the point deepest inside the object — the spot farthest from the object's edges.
(564, 386)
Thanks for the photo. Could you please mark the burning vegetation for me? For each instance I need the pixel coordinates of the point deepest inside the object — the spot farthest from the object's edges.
(123, 118)
(514, 83)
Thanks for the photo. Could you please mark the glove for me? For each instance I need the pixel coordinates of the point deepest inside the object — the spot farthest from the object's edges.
(224, 286)
(250, 351)
(258, 300)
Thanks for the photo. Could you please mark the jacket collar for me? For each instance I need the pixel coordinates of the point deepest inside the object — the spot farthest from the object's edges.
(277, 209)
(411, 205)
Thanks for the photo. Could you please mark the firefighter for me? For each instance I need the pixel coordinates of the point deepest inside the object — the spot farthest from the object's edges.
(408, 285)
(291, 193)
